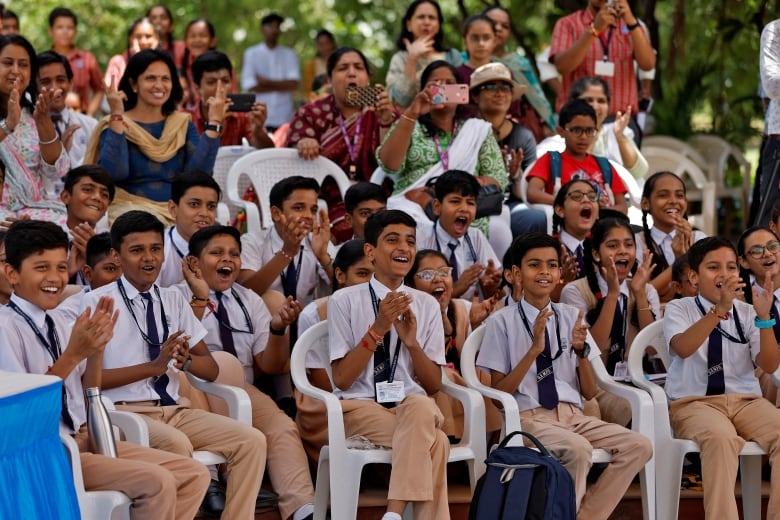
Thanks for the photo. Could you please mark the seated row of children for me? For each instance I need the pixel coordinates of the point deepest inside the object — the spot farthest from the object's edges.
(418, 324)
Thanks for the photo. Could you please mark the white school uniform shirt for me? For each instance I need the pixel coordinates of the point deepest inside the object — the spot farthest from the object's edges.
(247, 345)
(435, 237)
(279, 64)
(174, 249)
(688, 376)
(257, 249)
(21, 351)
(128, 346)
(572, 296)
(70, 306)
(664, 241)
(507, 340)
(309, 317)
(351, 312)
(571, 243)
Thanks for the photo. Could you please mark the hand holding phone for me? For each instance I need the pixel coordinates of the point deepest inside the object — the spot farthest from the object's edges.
(450, 94)
(241, 102)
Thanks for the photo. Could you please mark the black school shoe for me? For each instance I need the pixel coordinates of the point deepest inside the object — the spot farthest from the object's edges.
(214, 502)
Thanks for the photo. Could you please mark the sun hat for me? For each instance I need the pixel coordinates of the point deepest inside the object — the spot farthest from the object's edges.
(495, 72)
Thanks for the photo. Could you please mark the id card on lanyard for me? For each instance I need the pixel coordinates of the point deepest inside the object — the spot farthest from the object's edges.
(605, 67)
(388, 391)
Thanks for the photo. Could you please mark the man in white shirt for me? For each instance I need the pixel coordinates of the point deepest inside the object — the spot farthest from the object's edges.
(272, 72)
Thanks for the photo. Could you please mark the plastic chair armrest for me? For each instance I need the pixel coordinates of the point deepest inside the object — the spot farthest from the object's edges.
(237, 400)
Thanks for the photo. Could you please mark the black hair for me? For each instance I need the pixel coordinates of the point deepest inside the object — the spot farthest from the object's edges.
(62, 12)
(776, 213)
(745, 273)
(679, 265)
(350, 253)
(524, 243)
(95, 172)
(134, 221)
(184, 181)
(137, 65)
(430, 129)
(97, 248)
(27, 98)
(438, 38)
(201, 238)
(131, 30)
(582, 84)
(659, 258)
(559, 223)
(574, 108)
(319, 81)
(210, 61)
(28, 237)
(456, 181)
(699, 250)
(282, 190)
(2, 170)
(50, 57)
(168, 37)
(471, 20)
(506, 263)
(494, 7)
(326, 33)
(361, 192)
(8, 14)
(377, 222)
(334, 58)
(185, 61)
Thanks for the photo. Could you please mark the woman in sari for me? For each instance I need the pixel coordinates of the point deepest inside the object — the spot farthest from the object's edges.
(346, 133)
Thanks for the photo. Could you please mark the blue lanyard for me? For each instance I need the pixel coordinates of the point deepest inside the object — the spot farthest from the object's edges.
(531, 334)
(604, 45)
(250, 328)
(466, 237)
(394, 361)
(129, 306)
(54, 350)
(170, 234)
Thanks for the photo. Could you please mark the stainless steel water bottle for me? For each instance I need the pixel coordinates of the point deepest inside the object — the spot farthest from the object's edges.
(101, 431)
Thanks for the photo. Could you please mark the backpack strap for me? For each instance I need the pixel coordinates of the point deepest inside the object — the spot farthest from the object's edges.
(606, 168)
(556, 165)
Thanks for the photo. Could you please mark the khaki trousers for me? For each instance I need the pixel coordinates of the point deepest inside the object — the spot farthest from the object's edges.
(160, 484)
(182, 430)
(571, 436)
(312, 422)
(420, 449)
(721, 424)
(288, 468)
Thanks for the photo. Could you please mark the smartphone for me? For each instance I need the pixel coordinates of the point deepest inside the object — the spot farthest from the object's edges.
(362, 96)
(450, 94)
(241, 102)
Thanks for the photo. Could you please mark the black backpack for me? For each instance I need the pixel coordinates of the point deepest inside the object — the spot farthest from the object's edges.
(522, 483)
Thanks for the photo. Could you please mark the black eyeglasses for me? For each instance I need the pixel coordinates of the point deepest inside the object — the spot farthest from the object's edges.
(496, 87)
(579, 131)
(758, 251)
(577, 196)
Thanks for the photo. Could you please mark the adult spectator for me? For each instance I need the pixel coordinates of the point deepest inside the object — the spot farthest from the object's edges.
(10, 23)
(420, 43)
(272, 72)
(769, 63)
(162, 18)
(140, 35)
(74, 129)
(144, 142)
(325, 44)
(86, 75)
(603, 40)
(199, 36)
(212, 70)
(29, 145)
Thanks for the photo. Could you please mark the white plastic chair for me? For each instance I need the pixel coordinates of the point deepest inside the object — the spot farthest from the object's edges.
(226, 157)
(641, 411)
(673, 144)
(699, 187)
(670, 451)
(266, 167)
(339, 469)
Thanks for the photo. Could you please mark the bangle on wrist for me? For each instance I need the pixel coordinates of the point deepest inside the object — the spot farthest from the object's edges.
(116, 117)
(5, 128)
(50, 141)
(645, 309)
(714, 312)
(764, 324)
(197, 299)
(411, 119)
(374, 336)
(197, 305)
(284, 254)
(276, 332)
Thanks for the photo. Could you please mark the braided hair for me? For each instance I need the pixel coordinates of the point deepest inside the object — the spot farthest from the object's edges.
(661, 263)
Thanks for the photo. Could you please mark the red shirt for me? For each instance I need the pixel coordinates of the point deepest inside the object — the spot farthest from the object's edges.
(620, 51)
(572, 168)
(86, 75)
(236, 126)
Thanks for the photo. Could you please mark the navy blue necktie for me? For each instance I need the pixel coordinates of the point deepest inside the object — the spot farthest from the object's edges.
(52, 336)
(617, 341)
(225, 334)
(161, 382)
(453, 260)
(580, 254)
(716, 384)
(545, 378)
(290, 281)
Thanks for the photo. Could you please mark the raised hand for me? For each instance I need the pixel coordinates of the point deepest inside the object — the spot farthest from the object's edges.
(258, 115)
(609, 272)
(481, 310)
(514, 162)
(321, 236)
(621, 121)
(292, 233)
(537, 347)
(14, 114)
(406, 327)
(683, 239)
(762, 303)
(167, 351)
(93, 330)
(384, 107)
(42, 111)
(67, 136)
(218, 105)
(730, 288)
(194, 278)
(116, 98)
(420, 47)
(643, 273)
(77, 256)
(490, 280)
(181, 351)
(466, 279)
(570, 269)
(579, 332)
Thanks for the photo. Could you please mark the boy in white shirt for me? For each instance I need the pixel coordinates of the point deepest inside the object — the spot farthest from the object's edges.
(156, 336)
(529, 353)
(36, 339)
(386, 349)
(715, 342)
(238, 321)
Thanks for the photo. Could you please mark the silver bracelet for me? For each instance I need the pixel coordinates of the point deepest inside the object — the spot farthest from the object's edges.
(50, 141)
(4, 127)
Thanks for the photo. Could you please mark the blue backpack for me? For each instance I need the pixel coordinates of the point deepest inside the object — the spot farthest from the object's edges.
(556, 166)
(522, 483)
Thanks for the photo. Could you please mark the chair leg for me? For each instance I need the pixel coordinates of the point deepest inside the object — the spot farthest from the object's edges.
(344, 489)
(647, 481)
(322, 489)
(668, 473)
(750, 471)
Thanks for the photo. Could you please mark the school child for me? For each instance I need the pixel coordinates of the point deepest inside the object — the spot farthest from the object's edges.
(715, 341)
(157, 336)
(577, 124)
(239, 322)
(193, 206)
(475, 267)
(479, 41)
(36, 339)
(663, 198)
(540, 352)
(616, 305)
(360, 202)
(681, 283)
(576, 210)
(386, 348)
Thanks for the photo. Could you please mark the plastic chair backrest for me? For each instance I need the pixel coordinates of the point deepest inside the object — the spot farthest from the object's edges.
(226, 157)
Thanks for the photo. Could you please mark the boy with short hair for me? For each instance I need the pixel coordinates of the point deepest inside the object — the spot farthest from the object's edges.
(475, 267)
(36, 339)
(157, 336)
(386, 348)
(529, 350)
(193, 206)
(360, 202)
(715, 342)
(238, 321)
(578, 125)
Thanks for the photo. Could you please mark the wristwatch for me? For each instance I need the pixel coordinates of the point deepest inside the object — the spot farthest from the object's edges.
(215, 128)
(583, 352)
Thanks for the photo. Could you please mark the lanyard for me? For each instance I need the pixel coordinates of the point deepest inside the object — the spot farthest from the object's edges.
(605, 45)
(129, 306)
(466, 237)
(54, 350)
(531, 334)
(741, 340)
(444, 155)
(170, 234)
(394, 362)
(352, 148)
(250, 328)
